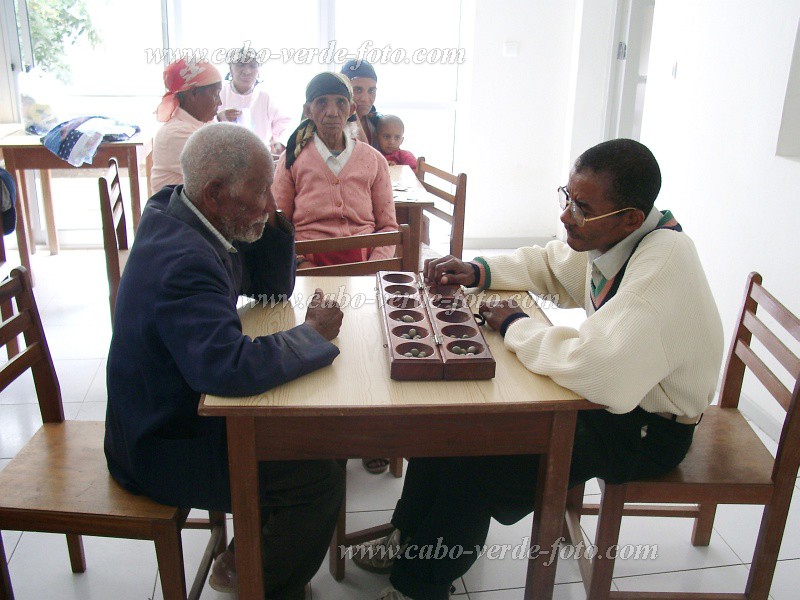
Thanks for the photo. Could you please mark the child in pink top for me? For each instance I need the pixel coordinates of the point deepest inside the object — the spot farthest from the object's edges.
(390, 136)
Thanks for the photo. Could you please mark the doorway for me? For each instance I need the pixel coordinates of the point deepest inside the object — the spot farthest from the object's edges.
(633, 32)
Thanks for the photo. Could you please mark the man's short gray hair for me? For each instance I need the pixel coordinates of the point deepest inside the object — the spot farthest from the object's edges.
(221, 151)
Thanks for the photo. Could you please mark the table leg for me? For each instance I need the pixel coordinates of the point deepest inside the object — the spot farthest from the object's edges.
(49, 214)
(133, 175)
(22, 228)
(246, 509)
(23, 198)
(548, 515)
(22, 236)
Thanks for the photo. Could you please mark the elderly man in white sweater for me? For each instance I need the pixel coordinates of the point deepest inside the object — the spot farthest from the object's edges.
(649, 351)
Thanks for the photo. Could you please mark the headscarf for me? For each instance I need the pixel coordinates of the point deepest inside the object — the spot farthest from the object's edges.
(180, 76)
(353, 69)
(321, 85)
(358, 68)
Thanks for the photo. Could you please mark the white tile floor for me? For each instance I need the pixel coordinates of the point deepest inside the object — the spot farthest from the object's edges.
(71, 290)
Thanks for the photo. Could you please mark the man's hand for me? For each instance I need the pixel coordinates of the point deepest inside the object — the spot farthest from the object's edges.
(497, 312)
(448, 270)
(324, 315)
(229, 114)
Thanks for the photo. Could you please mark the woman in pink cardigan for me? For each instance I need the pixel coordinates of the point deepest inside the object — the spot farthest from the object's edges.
(329, 185)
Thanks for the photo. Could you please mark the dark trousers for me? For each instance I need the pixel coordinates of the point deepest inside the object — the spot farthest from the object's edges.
(300, 502)
(448, 503)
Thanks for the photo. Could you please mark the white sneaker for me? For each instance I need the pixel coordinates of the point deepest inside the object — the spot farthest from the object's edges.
(392, 594)
(378, 555)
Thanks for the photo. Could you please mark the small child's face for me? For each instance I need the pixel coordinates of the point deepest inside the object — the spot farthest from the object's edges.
(390, 136)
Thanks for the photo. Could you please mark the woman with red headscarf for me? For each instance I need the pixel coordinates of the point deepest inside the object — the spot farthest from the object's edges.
(191, 101)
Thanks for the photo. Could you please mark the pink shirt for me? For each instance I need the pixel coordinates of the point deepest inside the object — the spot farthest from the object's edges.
(323, 205)
(259, 112)
(167, 147)
(402, 157)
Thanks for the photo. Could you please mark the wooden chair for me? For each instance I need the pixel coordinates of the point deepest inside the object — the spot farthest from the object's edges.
(115, 229)
(59, 481)
(727, 463)
(402, 240)
(458, 200)
(148, 165)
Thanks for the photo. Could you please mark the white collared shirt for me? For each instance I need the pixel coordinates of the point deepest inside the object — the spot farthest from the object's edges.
(335, 163)
(607, 264)
(225, 243)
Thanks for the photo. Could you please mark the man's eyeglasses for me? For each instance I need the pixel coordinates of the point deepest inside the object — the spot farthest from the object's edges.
(565, 201)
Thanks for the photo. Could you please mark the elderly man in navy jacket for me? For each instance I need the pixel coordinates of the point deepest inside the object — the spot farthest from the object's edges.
(177, 335)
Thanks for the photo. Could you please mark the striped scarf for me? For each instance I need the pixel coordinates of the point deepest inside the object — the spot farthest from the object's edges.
(607, 288)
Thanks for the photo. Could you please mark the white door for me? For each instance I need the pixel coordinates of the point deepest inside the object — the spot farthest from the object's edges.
(629, 76)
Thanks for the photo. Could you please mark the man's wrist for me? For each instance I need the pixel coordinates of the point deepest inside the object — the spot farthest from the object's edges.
(509, 320)
(477, 271)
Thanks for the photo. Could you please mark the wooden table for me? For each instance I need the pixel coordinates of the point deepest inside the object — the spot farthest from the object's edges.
(324, 415)
(22, 152)
(21, 228)
(410, 199)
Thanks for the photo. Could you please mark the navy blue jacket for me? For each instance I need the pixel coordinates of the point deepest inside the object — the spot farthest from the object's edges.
(177, 335)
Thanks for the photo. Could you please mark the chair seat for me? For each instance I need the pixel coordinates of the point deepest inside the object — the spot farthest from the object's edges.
(741, 462)
(62, 469)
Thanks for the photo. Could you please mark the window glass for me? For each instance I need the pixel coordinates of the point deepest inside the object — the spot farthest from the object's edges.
(112, 77)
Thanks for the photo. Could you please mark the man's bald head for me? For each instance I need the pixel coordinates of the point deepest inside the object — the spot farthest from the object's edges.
(223, 152)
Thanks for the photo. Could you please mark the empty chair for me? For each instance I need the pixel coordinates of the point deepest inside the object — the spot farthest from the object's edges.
(115, 232)
(457, 200)
(59, 482)
(727, 463)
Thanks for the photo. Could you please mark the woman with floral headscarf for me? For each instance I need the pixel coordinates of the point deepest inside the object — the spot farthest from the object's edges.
(191, 101)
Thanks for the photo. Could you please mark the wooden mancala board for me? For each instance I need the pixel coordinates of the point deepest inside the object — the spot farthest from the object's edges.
(430, 331)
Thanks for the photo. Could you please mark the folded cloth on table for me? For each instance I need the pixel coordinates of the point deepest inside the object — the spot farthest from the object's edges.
(76, 140)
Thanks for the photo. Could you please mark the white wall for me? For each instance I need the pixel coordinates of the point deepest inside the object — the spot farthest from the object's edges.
(714, 129)
(511, 129)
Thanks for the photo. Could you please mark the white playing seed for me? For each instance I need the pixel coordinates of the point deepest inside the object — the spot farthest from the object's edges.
(409, 355)
(472, 349)
(417, 337)
(412, 332)
(422, 355)
(408, 318)
(415, 352)
(406, 336)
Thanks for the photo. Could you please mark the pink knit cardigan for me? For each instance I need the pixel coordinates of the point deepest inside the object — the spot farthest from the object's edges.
(323, 205)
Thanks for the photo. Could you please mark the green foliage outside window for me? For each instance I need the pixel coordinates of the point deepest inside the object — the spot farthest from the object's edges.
(56, 25)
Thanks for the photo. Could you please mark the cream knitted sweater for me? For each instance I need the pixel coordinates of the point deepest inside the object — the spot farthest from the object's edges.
(657, 343)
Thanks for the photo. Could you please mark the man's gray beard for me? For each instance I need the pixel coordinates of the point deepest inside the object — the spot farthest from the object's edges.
(248, 234)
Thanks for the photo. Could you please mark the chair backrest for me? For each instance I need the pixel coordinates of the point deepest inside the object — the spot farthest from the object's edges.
(115, 228)
(743, 357)
(36, 354)
(458, 200)
(400, 239)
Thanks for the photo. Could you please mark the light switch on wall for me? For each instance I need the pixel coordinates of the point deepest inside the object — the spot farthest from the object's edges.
(510, 49)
